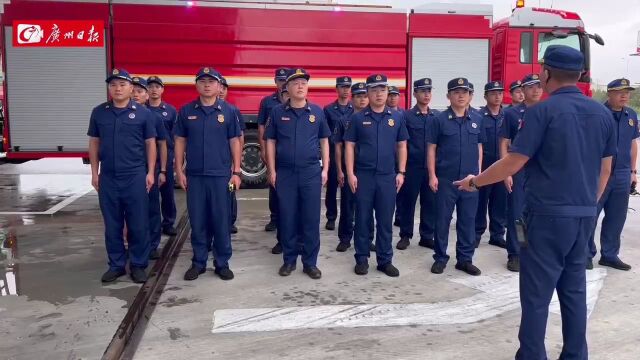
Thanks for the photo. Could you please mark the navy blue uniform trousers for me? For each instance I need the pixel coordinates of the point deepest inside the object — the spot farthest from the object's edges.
(494, 199)
(375, 193)
(554, 260)
(299, 193)
(154, 215)
(515, 207)
(330, 196)
(615, 203)
(347, 212)
(168, 204)
(208, 206)
(466, 204)
(416, 184)
(124, 198)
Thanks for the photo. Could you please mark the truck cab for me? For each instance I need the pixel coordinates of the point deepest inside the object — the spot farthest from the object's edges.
(520, 40)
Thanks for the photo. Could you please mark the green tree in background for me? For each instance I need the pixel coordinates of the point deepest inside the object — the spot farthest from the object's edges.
(634, 102)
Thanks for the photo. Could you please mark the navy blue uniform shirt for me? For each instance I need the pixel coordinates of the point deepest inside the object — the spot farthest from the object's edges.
(565, 137)
(511, 122)
(207, 130)
(492, 127)
(417, 127)
(168, 114)
(122, 133)
(334, 112)
(266, 105)
(238, 114)
(297, 133)
(457, 139)
(626, 129)
(376, 136)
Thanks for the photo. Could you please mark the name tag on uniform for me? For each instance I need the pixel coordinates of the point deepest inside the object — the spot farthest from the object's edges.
(193, 117)
(284, 118)
(366, 123)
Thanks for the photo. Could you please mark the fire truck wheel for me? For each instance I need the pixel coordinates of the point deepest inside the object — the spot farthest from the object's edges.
(254, 171)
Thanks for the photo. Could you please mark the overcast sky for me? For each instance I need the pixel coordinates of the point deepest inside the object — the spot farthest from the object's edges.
(617, 21)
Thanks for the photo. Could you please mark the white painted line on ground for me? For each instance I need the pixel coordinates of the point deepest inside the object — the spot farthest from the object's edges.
(54, 209)
(498, 294)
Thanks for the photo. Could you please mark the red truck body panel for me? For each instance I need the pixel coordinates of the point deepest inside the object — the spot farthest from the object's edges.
(246, 44)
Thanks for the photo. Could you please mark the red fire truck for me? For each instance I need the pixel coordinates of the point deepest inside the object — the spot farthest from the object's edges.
(51, 87)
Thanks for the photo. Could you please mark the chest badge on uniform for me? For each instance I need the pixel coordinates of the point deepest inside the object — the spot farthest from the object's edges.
(630, 122)
(164, 113)
(391, 122)
(474, 125)
(220, 118)
(192, 117)
(132, 116)
(312, 118)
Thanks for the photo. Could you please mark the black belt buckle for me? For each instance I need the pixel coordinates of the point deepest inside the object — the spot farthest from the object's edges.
(521, 233)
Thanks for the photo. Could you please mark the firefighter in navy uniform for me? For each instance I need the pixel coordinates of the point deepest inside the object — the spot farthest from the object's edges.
(615, 200)
(375, 140)
(207, 130)
(122, 143)
(359, 100)
(224, 89)
(564, 142)
(517, 96)
(266, 105)
(416, 184)
(513, 116)
(455, 149)
(334, 112)
(393, 101)
(168, 114)
(141, 96)
(294, 132)
(494, 197)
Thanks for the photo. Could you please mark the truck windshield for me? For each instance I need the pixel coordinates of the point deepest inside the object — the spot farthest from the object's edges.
(547, 39)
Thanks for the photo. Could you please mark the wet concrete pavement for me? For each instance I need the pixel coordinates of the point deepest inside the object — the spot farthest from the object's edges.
(465, 317)
(54, 305)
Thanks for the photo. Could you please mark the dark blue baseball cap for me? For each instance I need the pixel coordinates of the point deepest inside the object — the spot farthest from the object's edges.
(223, 81)
(377, 80)
(119, 74)
(208, 72)
(139, 81)
(459, 83)
(493, 85)
(297, 73)
(620, 84)
(155, 79)
(281, 73)
(515, 85)
(531, 79)
(343, 81)
(394, 90)
(563, 57)
(424, 83)
(358, 88)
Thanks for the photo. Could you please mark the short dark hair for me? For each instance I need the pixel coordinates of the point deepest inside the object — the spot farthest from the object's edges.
(563, 75)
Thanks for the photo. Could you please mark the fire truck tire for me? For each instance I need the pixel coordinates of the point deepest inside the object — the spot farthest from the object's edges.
(254, 171)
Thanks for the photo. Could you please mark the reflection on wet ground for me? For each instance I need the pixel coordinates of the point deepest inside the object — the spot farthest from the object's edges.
(52, 303)
(38, 193)
(8, 254)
